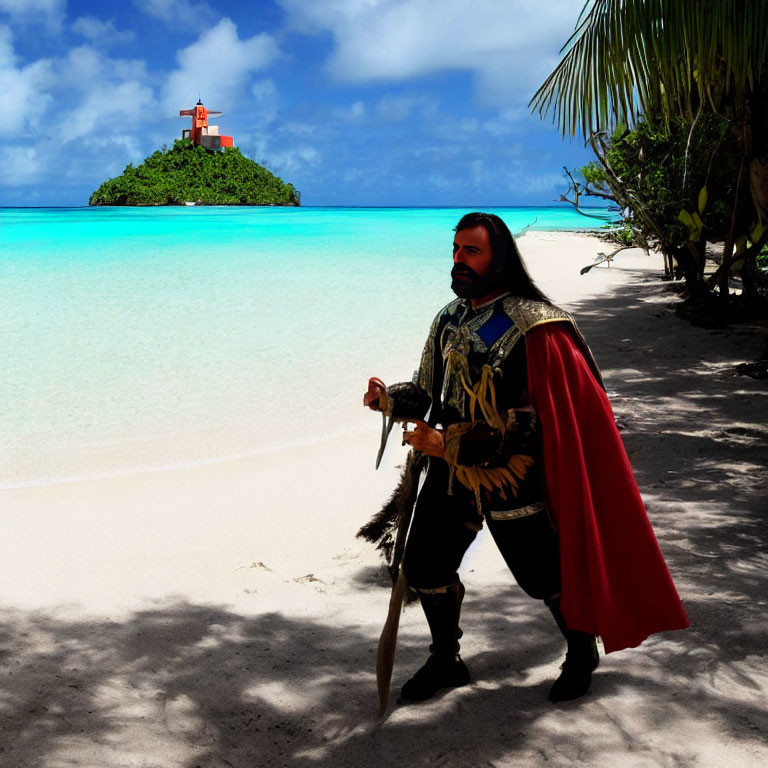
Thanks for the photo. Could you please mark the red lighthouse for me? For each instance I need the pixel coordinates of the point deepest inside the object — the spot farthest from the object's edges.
(201, 133)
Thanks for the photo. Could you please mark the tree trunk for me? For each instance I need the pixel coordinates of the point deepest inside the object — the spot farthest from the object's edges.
(758, 186)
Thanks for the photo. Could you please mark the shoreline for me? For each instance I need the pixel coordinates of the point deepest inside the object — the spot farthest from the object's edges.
(325, 207)
(298, 443)
(65, 449)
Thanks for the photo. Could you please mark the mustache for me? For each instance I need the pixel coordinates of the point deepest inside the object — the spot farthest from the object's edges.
(464, 270)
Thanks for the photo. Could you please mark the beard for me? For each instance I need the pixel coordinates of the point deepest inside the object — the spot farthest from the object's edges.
(475, 286)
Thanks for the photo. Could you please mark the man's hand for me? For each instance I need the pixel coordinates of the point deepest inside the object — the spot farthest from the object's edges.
(425, 439)
(372, 398)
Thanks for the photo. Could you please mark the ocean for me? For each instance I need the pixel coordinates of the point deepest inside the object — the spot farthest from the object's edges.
(140, 338)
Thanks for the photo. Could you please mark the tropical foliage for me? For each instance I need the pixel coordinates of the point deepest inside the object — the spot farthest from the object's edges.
(188, 173)
(691, 82)
(675, 187)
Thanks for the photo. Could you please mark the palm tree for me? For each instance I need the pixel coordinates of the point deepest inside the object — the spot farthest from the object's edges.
(632, 60)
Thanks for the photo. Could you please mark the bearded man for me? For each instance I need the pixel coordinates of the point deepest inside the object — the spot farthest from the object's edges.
(510, 410)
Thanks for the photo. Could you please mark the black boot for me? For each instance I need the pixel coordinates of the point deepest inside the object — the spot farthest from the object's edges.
(581, 660)
(444, 667)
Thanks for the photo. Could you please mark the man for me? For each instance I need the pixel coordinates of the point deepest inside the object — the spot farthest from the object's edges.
(509, 407)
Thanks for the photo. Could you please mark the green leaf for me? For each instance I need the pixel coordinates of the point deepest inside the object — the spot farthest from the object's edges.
(685, 218)
(757, 232)
(632, 57)
(702, 198)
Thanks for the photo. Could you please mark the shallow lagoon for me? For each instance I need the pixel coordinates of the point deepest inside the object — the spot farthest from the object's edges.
(148, 337)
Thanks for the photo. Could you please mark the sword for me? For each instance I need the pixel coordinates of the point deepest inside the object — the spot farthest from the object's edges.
(387, 422)
(385, 654)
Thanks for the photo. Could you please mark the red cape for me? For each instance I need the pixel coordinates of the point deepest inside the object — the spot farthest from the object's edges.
(615, 582)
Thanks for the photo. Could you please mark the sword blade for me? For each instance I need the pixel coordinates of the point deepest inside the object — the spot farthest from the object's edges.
(386, 428)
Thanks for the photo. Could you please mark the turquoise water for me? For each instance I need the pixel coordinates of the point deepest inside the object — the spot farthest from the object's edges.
(149, 337)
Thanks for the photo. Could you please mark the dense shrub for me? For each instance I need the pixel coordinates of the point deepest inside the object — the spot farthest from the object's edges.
(189, 173)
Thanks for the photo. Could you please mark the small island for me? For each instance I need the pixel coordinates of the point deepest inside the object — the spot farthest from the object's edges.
(187, 173)
(203, 168)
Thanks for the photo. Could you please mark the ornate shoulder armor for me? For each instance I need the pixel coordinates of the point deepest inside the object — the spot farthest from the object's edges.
(527, 313)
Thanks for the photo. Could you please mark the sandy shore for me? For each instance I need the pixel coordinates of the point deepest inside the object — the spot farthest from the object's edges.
(225, 615)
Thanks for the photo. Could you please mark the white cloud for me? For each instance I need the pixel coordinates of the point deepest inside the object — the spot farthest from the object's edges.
(106, 157)
(107, 108)
(507, 121)
(86, 68)
(266, 100)
(102, 94)
(216, 68)
(104, 98)
(25, 99)
(21, 165)
(25, 89)
(101, 32)
(49, 13)
(183, 13)
(510, 45)
(356, 111)
(312, 18)
(289, 161)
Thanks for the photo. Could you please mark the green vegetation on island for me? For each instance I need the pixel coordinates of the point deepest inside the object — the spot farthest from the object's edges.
(187, 173)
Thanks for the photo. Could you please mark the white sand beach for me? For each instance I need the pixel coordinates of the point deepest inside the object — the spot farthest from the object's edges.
(224, 614)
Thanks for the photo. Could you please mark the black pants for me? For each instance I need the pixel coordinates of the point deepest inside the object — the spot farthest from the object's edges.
(445, 525)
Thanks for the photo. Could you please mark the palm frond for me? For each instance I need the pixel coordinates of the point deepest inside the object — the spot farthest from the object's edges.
(632, 57)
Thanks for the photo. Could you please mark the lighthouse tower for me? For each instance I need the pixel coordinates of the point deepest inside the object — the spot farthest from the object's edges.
(201, 133)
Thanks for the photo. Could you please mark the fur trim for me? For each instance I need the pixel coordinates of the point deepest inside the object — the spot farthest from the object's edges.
(388, 528)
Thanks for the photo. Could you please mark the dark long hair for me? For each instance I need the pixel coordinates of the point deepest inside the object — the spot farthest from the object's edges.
(504, 248)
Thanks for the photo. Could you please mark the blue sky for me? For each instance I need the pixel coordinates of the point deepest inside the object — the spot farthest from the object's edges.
(355, 102)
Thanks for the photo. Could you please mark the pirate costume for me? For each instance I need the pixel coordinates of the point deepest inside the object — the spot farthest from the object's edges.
(532, 451)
